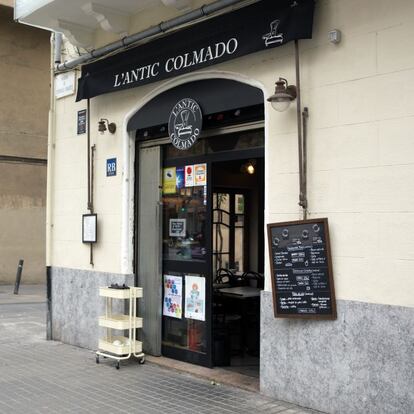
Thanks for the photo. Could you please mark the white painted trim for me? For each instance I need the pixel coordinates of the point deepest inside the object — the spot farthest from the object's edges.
(128, 151)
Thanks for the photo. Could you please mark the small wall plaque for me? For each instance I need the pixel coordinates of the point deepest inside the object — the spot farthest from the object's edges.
(64, 84)
(82, 122)
(111, 167)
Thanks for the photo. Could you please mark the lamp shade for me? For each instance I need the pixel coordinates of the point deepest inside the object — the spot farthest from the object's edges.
(283, 96)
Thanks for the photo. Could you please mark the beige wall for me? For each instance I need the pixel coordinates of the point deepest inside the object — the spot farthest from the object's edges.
(9, 3)
(361, 153)
(24, 103)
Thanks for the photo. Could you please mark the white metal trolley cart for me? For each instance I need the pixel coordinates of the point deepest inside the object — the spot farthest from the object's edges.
(114, 346)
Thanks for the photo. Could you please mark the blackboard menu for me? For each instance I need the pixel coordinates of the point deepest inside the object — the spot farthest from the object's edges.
(300, 260)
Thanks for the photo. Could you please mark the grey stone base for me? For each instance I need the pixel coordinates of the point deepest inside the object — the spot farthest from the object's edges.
(363, 362)
(76, 304)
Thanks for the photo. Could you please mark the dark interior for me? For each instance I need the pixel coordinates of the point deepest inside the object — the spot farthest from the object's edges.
(238, 263)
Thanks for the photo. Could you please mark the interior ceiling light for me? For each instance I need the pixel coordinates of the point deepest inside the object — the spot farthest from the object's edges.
(283, 96)
(249, 167)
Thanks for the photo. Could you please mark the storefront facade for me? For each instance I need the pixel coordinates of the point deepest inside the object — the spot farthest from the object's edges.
(359, 162)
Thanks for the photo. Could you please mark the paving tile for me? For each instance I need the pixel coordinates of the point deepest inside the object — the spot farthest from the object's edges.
(50, 377)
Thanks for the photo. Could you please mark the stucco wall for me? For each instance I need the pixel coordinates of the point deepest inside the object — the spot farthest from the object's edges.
(361, 163)
(361, 158)
(24, 105)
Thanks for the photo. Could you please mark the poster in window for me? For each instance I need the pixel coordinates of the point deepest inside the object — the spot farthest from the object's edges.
(200, 174)
(169, 181)
(173, 296)
(189, 176)
(177, 227)
(179, 177)
(195, 297)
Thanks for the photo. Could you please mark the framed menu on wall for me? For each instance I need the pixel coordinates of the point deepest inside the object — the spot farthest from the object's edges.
(301, 269)
(89, 224)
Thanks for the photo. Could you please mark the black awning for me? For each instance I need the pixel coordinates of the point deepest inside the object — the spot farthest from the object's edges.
(262, 25)
(213, 95)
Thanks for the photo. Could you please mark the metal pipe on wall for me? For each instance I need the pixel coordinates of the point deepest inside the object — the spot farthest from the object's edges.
(302, 162)
(50, 155)
(49, 333)
(88, 143)
(91, 207)
(93, 149)
(49, 188)
(305, 116)
(89, 173)
(57, 52)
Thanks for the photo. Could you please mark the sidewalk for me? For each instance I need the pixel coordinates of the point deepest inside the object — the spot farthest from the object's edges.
(39, 376)
(27, 294)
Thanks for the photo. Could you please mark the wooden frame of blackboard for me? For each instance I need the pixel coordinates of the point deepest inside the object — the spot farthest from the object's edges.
(333, 314)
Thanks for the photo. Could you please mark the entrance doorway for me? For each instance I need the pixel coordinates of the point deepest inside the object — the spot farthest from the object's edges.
(213, 251)
(238, 264)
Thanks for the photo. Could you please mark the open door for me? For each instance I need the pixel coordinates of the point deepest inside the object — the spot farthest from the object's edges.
(148, 255)
(186, 333)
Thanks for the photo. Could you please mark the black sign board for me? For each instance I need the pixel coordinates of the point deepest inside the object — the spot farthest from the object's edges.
(82, 122)
(301, 265)
(260, 26)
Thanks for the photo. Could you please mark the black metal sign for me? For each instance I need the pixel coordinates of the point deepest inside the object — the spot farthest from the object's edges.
(184, 125)
(301, 264)
(82, 122)
(260, 26)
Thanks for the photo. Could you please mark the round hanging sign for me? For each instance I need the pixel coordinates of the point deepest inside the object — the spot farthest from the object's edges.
(184, 125)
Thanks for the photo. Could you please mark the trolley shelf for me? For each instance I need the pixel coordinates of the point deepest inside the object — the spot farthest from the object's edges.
(119, 322)
(124, 348)
(120, 347)
(120, 293)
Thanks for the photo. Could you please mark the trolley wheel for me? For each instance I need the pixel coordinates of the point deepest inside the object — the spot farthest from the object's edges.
(141, 361)
(117, 365)
(97, 359)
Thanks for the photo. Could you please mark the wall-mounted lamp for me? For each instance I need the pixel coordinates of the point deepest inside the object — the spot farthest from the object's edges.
(249, 167)
(283, 96)
(104, 125)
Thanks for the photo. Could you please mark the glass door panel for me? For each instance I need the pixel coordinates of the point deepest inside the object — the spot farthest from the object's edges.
(184, 227)
(180, 331)
(186, 267)
(221, 231)
(229, 231)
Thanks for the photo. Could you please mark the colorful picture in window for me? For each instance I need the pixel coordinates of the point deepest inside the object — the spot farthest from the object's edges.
(173, 295)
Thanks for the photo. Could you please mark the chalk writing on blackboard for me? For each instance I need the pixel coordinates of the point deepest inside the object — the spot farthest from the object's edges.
(301, 267)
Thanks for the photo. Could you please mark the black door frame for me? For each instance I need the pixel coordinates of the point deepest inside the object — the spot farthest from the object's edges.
(202, 268)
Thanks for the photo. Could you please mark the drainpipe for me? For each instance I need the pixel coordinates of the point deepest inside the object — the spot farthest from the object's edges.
(303, 202)
(305, 116)
(49, 188)
(50, 157)
(163, 27)
(90, 154)
(58, 48)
